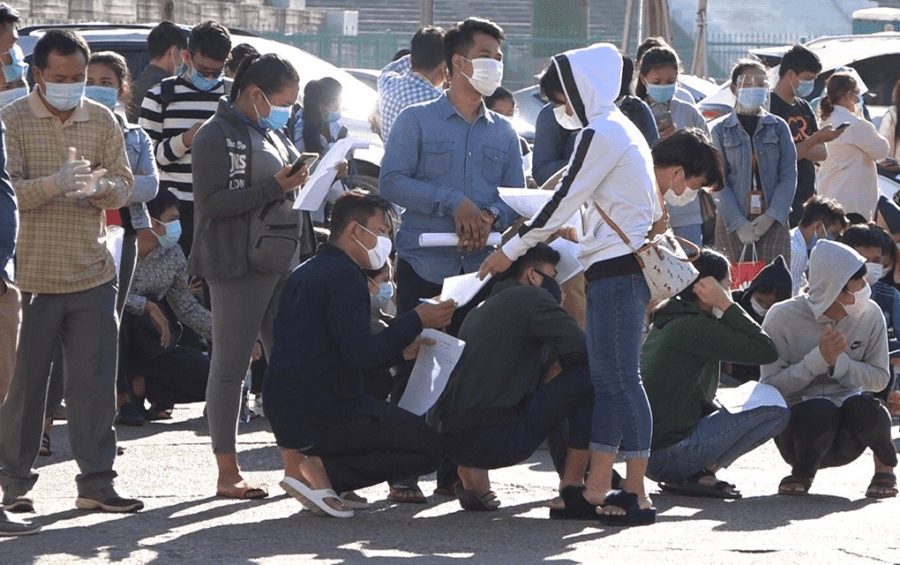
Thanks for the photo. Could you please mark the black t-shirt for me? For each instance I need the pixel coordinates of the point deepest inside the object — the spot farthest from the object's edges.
(802, 121)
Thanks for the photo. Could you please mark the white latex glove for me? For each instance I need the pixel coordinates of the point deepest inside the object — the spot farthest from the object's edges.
(761, 225)
(747, 234)
(95, 185)
(74, 175)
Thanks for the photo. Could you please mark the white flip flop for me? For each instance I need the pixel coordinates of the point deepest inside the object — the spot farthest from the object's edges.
(313, 500)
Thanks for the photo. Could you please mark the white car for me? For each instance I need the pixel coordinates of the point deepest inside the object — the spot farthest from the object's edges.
(358, 100)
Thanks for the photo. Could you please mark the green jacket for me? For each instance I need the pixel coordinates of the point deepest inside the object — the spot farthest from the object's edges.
(680, 363)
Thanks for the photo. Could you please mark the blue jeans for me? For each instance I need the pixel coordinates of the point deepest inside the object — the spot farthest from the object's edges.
(718, 439)
(616, 308)
(692, 233)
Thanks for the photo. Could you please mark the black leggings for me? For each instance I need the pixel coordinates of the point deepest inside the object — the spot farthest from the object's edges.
(822, 435)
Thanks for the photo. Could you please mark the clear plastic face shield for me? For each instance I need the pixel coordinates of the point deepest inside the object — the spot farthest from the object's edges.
(752, 92)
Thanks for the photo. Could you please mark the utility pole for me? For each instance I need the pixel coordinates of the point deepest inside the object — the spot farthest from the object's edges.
(426, 16)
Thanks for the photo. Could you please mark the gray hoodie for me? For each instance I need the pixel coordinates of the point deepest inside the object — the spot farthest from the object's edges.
(796, 326)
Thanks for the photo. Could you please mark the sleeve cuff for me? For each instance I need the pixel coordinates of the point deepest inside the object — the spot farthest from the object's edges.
(841, 366)
(48, 187)
(515, 248)
(272, 190)
(815, 362)
(452, 202)
(177, 145)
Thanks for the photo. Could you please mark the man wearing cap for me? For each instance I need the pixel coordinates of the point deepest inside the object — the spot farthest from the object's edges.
(832, 355)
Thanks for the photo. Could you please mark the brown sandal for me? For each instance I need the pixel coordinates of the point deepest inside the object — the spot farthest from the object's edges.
(882, 481)
(248, 493)
(790, 481)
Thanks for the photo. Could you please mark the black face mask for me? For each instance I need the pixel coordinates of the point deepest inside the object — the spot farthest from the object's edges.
(550, 285)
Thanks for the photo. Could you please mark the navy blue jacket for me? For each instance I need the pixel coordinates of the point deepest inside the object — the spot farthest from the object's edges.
(9, 216)
(323, 348)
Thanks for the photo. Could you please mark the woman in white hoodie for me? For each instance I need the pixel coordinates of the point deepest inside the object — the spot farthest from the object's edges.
(849, 174)
(611, 168)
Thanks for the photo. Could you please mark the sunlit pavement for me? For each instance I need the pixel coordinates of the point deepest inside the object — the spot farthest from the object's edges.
(169, 465)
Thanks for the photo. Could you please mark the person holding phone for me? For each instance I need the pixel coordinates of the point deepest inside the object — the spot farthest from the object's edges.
(849, 175)
(241, 175)
(658, 76)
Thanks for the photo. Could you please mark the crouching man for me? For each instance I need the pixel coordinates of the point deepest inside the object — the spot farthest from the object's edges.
(496, 411)
(832, 355)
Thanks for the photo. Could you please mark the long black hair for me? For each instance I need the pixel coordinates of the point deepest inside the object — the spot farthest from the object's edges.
(655, 58)
(269, 72)
(318, 93)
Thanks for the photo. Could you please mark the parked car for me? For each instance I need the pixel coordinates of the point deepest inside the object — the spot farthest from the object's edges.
(358, 100)
(875, 57)
(368, 77)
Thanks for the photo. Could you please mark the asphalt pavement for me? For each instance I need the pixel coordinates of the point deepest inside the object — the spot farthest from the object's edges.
(170, 466)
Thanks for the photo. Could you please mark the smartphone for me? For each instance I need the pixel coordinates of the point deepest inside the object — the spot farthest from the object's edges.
(663, 116)
(304, 159)
(842, 127)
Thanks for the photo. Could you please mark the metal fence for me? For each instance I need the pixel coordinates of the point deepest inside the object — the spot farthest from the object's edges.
(525, 56)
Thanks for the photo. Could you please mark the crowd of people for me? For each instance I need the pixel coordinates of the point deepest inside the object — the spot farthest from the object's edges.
(795, 289)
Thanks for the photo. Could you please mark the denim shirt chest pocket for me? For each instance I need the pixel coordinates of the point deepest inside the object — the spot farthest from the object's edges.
(436, 159)
(733, 145)
(133, 149)
(768, 155)
(492, 162)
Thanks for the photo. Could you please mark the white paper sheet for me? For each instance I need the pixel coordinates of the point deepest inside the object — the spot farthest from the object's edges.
(431, 372)
(452, 240)
(748, 396)
(315, 190)
(525, 201)
(462, 288)
(569, 265)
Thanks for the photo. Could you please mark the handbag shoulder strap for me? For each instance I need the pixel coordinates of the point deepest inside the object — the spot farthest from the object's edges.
(613, 225)
(658, 227)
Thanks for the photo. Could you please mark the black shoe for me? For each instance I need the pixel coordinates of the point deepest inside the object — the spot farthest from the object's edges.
(18, 505)
(12, 526)
(130, 415)
(108, 500)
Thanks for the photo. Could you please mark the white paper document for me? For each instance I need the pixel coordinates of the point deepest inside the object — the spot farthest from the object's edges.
(452, 240)
(313, 193)
(568, 265)
(431, 372)
(462, 288)
(748, 396)
(525, 201)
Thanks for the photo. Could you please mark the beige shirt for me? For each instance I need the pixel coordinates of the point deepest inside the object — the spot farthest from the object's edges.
(62, 241)
(887, 131)
(848, 174)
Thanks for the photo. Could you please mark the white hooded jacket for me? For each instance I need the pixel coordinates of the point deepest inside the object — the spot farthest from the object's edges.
(611, 164)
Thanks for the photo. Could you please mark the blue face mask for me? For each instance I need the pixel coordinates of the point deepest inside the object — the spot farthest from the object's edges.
(204, 83)
(18, 67)
(385, 292)
(63, 96)
(805, 88)
(816, 238)
(106, 95)
(278, 116)
(752, 97)
(173, 233)
(661, 92)
(332, 117)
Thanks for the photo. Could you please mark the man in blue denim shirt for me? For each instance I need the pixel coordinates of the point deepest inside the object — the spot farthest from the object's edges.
(444, 161)
(751, 132)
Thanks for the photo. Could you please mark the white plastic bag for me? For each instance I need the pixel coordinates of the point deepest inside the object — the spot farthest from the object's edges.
(115, 238)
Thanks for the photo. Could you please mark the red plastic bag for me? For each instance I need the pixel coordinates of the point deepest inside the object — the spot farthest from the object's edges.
(743, 272)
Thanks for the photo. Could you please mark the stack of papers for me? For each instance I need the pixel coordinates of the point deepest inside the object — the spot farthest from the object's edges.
(463, 288)
(748, 396)
(313, 193)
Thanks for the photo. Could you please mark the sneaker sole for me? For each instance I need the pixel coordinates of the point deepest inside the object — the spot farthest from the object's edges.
(91, 504)
(28, 532)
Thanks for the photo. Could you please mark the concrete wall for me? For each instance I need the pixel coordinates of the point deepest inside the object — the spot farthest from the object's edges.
(251, 15)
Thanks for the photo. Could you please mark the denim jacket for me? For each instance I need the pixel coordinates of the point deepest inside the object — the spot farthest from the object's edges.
(139, 149)
(9, 215)
(777, 163)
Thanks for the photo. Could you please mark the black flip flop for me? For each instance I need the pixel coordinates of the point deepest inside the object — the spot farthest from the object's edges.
(471, 501)
(634, 514)
(693, 487)
(882, 480)
(577, 508)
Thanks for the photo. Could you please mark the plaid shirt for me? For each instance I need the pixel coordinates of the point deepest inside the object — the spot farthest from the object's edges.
(62, 241)
(398, 88)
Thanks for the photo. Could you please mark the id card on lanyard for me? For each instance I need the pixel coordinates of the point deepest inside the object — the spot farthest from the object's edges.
(756, 204)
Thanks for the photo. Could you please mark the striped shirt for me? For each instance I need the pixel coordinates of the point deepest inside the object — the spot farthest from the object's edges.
(62, 241)
(166, 124)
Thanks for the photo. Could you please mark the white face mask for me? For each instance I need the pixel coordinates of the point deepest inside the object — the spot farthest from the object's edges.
(874, 272)
(379, 255)
(487, 74)
(683, 199)
(758, 308)
(8, 96)
(860, 302)
(564, 120)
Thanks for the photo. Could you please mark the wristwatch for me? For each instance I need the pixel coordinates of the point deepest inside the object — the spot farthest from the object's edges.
(493, 211)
